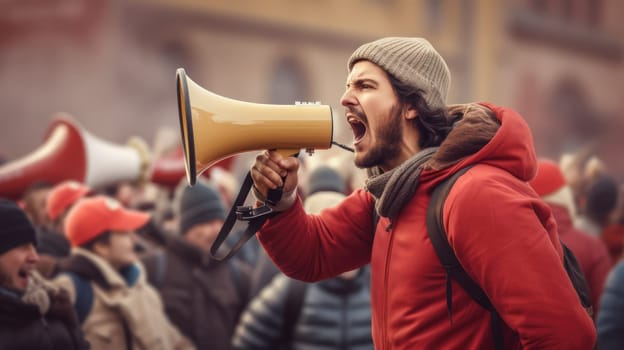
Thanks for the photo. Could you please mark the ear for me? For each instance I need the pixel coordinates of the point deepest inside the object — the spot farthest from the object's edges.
(102, 249)
(410, 113)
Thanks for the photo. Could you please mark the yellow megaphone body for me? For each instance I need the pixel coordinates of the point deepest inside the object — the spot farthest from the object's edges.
(215, 127)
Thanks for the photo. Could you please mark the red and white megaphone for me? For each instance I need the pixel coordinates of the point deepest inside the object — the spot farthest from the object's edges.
(69, 152)
(170, 169)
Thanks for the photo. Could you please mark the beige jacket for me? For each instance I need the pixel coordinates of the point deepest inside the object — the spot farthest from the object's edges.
(139, 305)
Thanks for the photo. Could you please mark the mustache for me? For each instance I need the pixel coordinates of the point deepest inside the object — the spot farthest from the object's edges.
(358, 112)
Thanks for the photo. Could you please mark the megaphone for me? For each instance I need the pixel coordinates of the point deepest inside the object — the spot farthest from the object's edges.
(71, 153)
(215, 127)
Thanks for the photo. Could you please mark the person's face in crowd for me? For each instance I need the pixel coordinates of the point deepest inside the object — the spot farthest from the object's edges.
(120, 251)
(374, 112)
(16, 265)
(36, 206)
(203, 235)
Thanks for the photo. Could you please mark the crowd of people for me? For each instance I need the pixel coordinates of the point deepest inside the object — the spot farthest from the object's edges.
(129, 266)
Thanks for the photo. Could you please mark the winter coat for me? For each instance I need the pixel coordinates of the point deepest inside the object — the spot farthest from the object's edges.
(333, 314)
(122, 303)
(503, 235)
(610, 320)
(203, 298)
(23, 327)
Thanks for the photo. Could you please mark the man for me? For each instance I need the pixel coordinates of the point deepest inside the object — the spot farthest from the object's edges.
(502, 233)
(590, 251)
(117, 307)
(60, 199)
(203, 298)
(33, 315)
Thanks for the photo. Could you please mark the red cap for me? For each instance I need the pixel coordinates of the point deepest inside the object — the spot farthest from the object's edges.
(549, 178)
(63, 195)
(90, 217)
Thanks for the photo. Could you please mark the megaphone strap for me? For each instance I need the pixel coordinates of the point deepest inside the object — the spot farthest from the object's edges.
(256, 217)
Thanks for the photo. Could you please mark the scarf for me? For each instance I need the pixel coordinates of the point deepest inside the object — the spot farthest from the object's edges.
(394, 188)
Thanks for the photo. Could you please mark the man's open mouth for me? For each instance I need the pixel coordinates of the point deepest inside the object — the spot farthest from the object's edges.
(358, 128)
(23, 273)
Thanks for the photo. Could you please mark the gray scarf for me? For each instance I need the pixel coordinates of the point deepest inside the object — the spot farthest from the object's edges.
(394, 188)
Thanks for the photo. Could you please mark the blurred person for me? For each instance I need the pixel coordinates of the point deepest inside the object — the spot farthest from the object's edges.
(52, 240)
(202, 297)
(116, 306)
(33, 314)
(330, 314)
(591, 253)
(34, 202)
(504, 236)
(53, 245)
(610, 322)
(598, 203)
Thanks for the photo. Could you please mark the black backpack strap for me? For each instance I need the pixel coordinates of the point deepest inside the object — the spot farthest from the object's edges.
(439, 240)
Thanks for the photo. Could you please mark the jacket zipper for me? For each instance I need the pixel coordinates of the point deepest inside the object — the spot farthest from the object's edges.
(384, 334)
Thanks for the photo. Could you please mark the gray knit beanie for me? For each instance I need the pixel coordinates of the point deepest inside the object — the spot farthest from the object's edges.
(198, 205)
(411, 60)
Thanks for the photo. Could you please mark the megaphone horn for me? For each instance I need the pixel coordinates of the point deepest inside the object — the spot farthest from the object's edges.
(215, 127)
(71, 153)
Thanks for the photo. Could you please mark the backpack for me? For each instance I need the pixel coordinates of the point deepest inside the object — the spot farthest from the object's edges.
(439, 240)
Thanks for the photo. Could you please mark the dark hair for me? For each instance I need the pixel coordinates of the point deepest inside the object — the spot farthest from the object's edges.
(602, 197)
(433, 124)
(101, 238)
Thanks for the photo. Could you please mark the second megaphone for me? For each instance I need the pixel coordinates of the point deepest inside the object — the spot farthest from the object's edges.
(215, 127)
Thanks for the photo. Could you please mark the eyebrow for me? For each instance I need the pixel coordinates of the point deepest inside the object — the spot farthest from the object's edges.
(360, 81)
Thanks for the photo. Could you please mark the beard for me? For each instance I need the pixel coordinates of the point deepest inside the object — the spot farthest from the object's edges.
(387, 136)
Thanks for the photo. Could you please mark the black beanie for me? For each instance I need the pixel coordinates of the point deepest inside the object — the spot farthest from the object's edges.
(15, 227)
(324, 178)
(200, 204)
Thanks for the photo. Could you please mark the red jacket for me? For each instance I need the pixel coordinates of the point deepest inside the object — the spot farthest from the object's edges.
(504, 236)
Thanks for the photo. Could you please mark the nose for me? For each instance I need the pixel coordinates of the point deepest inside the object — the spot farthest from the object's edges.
(32, 254)
(347, 98)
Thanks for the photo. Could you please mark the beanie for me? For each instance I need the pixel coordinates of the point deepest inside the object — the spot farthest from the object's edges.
(550, 184)
(412, 61)
(63, 195)
(15, 227)
(200, 204)
(324, 178)
(91, 217)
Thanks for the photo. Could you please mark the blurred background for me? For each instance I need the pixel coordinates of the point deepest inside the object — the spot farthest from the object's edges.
(111, 63)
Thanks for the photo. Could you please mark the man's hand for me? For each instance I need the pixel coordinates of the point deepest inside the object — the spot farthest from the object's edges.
(272, 170)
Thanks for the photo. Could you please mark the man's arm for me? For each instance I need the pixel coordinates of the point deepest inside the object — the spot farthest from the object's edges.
(315, 247)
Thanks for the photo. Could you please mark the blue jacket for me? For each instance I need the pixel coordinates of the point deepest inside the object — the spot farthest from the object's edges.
(610, 321)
